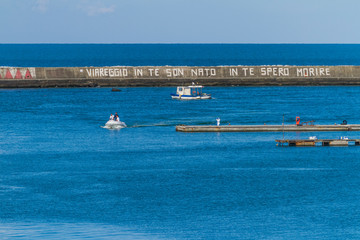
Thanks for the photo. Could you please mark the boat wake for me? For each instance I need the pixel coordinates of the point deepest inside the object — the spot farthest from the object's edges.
(152, 125)
(112, 127)
(171, 124)
(111, 124)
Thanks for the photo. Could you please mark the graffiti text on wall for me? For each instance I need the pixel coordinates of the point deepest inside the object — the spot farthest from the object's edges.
(196, 72)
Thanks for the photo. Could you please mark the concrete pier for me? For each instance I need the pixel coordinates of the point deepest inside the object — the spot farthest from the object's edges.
(313, 142)
(268, 128)
(157, 76)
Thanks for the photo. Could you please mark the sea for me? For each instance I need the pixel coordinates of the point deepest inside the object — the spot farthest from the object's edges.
(63, 176)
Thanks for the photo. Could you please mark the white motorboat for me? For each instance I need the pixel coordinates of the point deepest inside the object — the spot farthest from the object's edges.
(192, 92)
(112, 124)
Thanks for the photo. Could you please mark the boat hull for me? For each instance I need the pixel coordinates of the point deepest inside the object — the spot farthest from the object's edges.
(190, 97)
(111, 124)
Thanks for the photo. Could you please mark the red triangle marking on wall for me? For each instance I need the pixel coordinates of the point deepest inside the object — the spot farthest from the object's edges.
(28, 75)
(18, 75)
(8, 74)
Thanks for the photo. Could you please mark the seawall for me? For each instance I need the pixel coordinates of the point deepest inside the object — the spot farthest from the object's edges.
(149, 76)
(268, 128)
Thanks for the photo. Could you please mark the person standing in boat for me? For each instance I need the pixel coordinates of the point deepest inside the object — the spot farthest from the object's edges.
(111, 117)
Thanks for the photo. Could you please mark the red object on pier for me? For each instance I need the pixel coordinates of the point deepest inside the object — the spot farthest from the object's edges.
(297, 120)
(18, 75)
(28, 75)
(8, 75)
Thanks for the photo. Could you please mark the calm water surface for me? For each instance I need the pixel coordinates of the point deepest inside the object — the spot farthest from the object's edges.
(77, 55)
(62, 176)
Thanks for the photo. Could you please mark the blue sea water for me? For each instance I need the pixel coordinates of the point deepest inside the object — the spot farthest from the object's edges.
(77, 55)
(62, 176)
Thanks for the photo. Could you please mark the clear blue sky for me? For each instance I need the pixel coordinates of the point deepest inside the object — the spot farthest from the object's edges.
(180, 21)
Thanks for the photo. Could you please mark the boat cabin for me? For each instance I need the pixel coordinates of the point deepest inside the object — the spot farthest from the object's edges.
(189, 91)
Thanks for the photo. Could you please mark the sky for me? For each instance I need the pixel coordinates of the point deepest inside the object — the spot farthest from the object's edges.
(180, 21)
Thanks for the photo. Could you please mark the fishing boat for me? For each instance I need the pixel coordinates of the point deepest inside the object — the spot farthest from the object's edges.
(192, 92)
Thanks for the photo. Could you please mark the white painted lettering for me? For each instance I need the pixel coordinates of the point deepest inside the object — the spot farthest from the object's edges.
(168, 72)
(286, 72)
(138, 72)
(245, 71)
(327, 71)
(251, 71)
(274, 70)
(193, 72)
(281, 72)
(234, 72)
(263, 71)
(311, 72)
(299, 72)
(125, 72)
(151, 71)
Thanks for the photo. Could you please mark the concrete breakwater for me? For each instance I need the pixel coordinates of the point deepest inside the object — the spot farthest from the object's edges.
(268, 128)
(149, 76)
